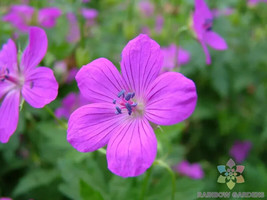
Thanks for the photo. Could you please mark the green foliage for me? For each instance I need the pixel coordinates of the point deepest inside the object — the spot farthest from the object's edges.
(39, 163)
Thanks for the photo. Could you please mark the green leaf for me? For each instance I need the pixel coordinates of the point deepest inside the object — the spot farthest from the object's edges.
(34, 179)
(88, 193)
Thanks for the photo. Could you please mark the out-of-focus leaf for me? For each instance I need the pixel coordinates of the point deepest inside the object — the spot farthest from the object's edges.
(34, 179)
(88, 193)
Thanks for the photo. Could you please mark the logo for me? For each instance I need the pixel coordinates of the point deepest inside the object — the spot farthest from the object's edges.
(230, 174)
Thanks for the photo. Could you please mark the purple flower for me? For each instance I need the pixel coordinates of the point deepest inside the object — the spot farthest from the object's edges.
(74, 34)
(22, 17)
(202, 25)
(47, 17)
(146, 8)
(240, 150)
(70, 103)
(90, 15)
(123, 105)
(225, 12)
(71, 75)
(145, 30)
(255, 2)
(37, 86)
(193, 171)
(174, 56)
(159, 24)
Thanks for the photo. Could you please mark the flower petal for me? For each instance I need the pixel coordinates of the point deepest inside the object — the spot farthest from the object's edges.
(206, 51)
(215, 41)
(5, 87)
(47, 17)
(9, 112)
(202, 7)
(171, 98)
(183, 57)
(99, 81)
(19, 16)
(132, 150)
(90, 126)
(36, 49)
(40, 87)
(200, 15)
(8, 56)
(141, 63)
(74, 34)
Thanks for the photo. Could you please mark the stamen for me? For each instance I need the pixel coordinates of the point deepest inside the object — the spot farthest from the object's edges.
(118, 110)
(128, 107)
(121, 93)
(208, 24)
(128, 96)
(125, 102)
(4, 72)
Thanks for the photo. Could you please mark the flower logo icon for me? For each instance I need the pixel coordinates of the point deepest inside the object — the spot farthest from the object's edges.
(230, 174)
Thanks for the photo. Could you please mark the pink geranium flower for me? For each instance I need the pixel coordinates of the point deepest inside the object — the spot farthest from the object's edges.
(74, 34)
(22, 17)
(222, 12)
(146, 8)
(202, 25)
(23, 80)
(255, 2)
(124, 105)
(174, 56)
(193, 171)
(159, 24)
(240, 150)
(89, 15)
(70, 103)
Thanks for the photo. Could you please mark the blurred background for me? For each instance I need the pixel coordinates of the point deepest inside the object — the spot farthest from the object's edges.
(230, 119)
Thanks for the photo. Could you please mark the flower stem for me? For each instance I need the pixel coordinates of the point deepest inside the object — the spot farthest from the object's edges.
(166, 166)
(60, 122)
(145, 183)
(102, 150)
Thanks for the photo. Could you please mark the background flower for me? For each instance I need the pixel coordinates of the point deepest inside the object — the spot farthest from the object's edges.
(37, 86)
(202, 25)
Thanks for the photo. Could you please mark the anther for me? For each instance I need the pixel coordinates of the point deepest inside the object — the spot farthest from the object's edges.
(128, 96)
(4, 72)
(121, 93)
(118, 110)
(133, 94)
(129, 108)
(114, 101)
(134, 105)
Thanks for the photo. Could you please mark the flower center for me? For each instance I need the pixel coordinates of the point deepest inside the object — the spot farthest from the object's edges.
(208, 24)
(125, 102)
(4, 73)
